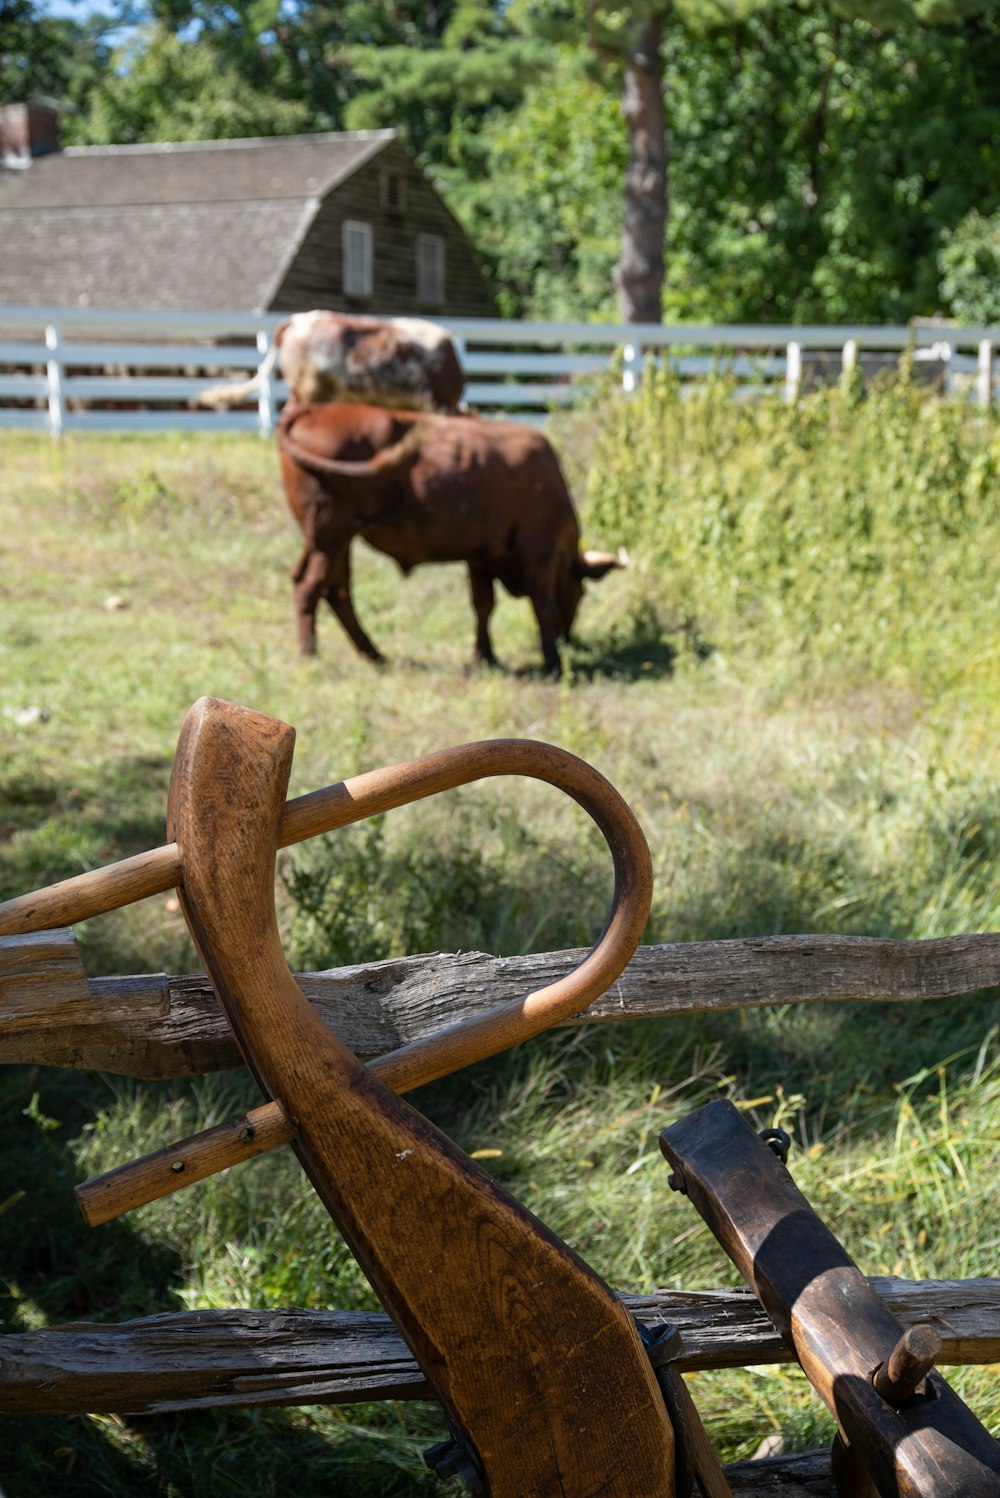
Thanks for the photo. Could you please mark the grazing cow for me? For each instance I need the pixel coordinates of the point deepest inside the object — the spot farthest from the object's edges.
(433, 489)
(400, 362)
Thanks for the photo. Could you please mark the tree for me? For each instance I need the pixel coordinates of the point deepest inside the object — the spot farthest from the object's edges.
(544, 208)
(820, 161)
(55, 58)
(820, 152)
(164, 87)
(223, 68)
(441, 96)
(970, 269)
(628, 39)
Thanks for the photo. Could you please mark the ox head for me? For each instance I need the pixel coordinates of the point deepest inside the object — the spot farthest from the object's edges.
(594, 564)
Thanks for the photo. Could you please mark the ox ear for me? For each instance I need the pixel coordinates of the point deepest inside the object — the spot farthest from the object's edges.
(599, 563)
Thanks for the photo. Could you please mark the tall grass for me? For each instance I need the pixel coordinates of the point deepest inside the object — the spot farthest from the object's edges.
(795, 684)
(855, 536)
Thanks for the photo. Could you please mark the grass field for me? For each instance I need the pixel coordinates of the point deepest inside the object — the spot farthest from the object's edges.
(808, 729)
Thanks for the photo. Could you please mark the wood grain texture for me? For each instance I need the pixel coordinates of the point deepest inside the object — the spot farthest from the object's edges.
(154, 1026)
(183, 1163)
(91, 893)
(803, 1475)
(41, 978)
(508, 1325)
(712, 1481)
(827, 1312)
(424, 1058)
(200, 1359)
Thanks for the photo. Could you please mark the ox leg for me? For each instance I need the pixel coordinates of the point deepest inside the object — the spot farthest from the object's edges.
(308, 585)
(483, 601)
(338, 596)
(547, 615)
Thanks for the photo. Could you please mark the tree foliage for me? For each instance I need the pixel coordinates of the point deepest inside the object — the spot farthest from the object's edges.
(169, 88)
(970, 269)
(552, 246)
(50, 57)
(820, 159)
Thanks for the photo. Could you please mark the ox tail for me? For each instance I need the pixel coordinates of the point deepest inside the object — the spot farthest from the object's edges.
(395, 456)
(230, 395)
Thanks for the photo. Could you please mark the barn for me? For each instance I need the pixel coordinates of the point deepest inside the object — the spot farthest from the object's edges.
(345, 221)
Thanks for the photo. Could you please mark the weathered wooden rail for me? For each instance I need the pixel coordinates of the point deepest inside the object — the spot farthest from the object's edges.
(155, 1026)
(204, 1359)
(158, 1026)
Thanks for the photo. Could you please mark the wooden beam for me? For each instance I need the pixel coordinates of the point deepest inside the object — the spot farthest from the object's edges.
(207, 1359)
(804, 1474)
(41, 980)
(157, 1026)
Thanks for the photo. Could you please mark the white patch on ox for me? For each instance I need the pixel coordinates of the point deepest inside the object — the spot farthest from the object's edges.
(428, 335)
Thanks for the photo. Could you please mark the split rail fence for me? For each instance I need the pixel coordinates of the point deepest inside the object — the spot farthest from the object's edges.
(76, 370)
(156, 1026)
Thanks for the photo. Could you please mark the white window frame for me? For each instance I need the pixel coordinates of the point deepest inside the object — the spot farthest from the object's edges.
(430, 277)
(359, 276)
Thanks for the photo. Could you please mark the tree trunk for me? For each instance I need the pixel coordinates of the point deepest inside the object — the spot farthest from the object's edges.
(639, 273)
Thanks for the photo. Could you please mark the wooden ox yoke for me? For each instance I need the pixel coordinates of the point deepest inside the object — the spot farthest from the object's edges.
(550, 1387)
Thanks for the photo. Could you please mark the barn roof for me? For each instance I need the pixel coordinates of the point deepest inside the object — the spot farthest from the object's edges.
(201, 224)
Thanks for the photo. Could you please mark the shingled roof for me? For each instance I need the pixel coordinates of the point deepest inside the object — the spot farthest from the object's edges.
(192, 226)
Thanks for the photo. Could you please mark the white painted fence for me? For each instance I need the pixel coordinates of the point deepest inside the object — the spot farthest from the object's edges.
(70, 369)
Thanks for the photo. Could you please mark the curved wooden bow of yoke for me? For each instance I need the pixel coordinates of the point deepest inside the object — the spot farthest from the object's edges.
(433, 1233)
(536, 1362)
(177, 1165)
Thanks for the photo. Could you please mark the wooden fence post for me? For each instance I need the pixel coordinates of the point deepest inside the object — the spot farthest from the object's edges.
(631, 367)
(850, 381)
(54, 374)
(984, 375)
(265, 400)
(793, 372)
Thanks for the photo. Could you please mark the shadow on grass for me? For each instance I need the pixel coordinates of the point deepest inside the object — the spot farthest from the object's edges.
(52, 830)
(246, 1453)
(54, 1267)
(637, 659)
(54, 1270)
(642, 648)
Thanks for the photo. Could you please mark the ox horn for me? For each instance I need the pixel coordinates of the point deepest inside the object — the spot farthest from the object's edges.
(606, 558)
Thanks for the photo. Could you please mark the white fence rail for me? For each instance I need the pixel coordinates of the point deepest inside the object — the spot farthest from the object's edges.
(69, 369)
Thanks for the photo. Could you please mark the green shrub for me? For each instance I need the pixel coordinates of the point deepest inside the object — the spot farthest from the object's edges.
(357, 900)
(970, 268)
(850, 534)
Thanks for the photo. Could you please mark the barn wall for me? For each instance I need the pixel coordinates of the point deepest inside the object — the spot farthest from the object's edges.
(315, 277)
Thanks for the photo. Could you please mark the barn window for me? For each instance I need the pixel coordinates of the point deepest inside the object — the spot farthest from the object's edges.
(394, 191)
(430, 268)
(358, 272)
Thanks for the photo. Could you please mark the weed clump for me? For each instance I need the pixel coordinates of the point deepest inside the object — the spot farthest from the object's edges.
(856, 536)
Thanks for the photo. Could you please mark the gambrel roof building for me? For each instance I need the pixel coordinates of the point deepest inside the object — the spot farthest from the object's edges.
(281, 223)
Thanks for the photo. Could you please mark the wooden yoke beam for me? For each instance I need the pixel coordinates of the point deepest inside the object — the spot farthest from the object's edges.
(925, 1444)
(538, 1365)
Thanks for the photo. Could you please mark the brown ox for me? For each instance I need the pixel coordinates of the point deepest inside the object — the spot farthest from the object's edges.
(433, 489)
(399, 362)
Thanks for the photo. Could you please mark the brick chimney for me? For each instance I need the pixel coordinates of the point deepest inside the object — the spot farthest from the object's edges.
(26, 131)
